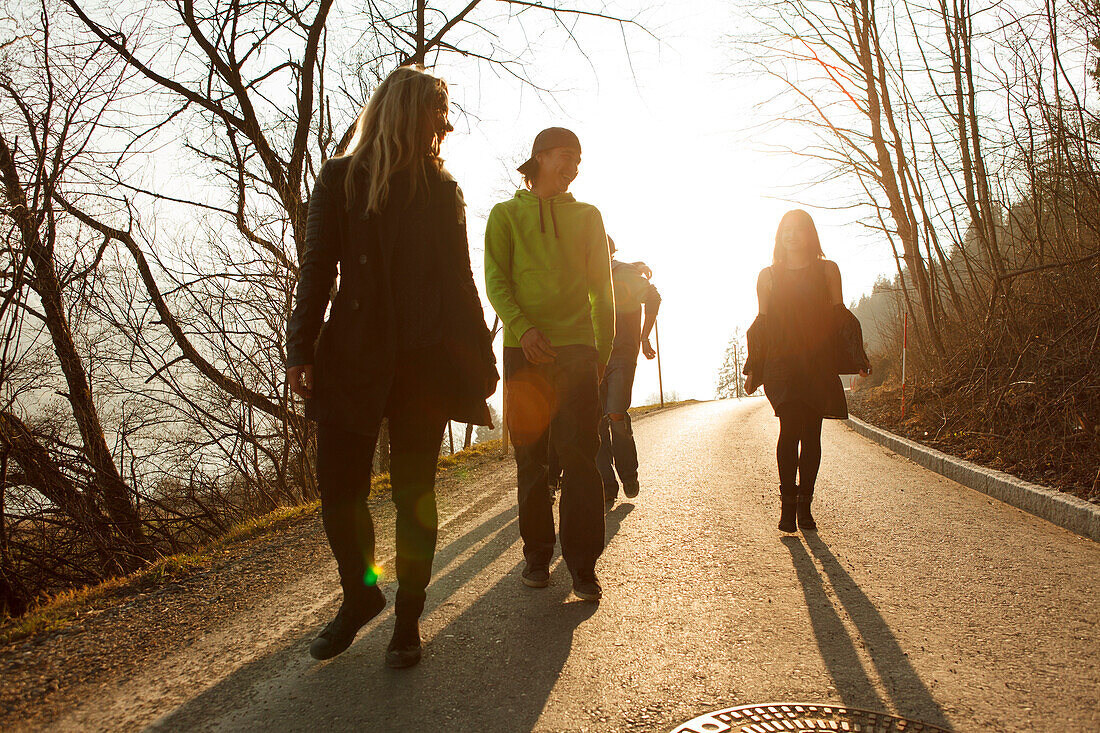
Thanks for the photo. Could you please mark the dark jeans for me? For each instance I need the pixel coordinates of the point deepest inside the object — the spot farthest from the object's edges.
(562, 397)
(344, 462)
(618, 452)
(617, 449)
(554, 463)
(799, 448)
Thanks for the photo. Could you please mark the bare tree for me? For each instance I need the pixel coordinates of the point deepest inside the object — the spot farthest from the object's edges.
(163, 294)
(56, 102)
(731, 383)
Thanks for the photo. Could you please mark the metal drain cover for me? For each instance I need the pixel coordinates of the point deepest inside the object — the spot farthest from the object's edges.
(805, 717)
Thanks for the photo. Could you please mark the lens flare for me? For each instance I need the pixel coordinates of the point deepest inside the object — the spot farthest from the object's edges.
(426, 511)
(373, 575)
(531, 406)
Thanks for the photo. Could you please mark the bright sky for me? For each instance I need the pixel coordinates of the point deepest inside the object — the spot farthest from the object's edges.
(670, 159)
(673, 156)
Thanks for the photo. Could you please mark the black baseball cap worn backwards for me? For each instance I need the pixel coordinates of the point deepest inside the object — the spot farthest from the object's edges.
(548, 139)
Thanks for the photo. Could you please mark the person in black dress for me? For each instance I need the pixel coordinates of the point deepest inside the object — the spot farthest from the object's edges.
(405, 339)
(793, 352)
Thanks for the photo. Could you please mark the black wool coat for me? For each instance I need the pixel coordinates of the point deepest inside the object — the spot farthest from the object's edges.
(353, 353)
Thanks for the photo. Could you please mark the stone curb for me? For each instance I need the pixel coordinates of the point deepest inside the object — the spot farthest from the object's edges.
(1065, 510)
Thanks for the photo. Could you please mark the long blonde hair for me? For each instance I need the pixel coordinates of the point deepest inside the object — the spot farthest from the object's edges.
(389, 135)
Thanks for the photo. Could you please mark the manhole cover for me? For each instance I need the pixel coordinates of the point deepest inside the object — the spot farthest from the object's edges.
(806, 717)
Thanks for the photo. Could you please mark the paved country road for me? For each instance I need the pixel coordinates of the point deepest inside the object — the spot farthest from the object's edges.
(917, 597)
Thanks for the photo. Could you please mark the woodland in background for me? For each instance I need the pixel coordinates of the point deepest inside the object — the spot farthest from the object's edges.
(155, 165)
(971, 137)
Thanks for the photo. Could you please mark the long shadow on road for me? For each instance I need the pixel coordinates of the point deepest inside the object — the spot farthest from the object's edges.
(904, 687)
(491, 667)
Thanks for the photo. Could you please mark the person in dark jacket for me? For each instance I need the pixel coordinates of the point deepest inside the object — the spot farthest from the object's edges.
(405, 339)
(617, 449)
(618, 453)
(794, 350)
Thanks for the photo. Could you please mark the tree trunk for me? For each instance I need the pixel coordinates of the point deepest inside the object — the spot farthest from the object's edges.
(112, 489)
(864, 22)
(40, 472)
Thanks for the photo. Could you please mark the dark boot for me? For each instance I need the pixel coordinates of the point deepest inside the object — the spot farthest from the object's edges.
(586, 585)
(788, 497)
(404, 649)
(353, 614)
(805, 519)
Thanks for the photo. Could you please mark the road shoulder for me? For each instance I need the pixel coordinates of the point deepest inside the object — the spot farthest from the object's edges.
(1060, 508)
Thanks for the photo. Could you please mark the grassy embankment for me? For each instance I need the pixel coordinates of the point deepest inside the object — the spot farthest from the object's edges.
(57, 611)
(1066, 459)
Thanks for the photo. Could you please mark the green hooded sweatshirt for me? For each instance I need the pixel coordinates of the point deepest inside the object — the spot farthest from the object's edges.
(547, 266)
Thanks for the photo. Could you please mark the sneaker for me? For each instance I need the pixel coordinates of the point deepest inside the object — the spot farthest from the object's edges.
(341, 631)
(404, 649)
(586, 585)
(631, 489)
(535, 576)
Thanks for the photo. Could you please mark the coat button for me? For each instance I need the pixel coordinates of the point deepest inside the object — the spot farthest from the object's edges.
(355, 305)
(362, 259)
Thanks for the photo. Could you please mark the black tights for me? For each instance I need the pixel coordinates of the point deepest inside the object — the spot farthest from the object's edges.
(344, 463)
(799, 425)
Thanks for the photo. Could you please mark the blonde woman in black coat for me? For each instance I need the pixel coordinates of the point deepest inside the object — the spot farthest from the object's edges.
(405, 339)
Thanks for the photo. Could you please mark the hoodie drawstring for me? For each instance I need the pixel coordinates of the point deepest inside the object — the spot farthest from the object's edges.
(553, 219)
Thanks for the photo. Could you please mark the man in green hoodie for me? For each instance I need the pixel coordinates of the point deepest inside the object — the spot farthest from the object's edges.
(548, 276)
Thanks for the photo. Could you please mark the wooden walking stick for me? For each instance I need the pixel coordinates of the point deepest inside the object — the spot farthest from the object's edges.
(660, 380)
(504, 421)
(497, 328)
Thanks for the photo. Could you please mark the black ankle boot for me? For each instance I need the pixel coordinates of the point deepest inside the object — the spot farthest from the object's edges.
(805, 519)
(788, 497)
(353, 614)
(404, 649)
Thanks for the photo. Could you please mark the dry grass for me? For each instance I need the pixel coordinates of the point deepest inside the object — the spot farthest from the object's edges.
(56, 612)
(474, 453)
(646, 409)
(1025, 445)
(279, 517)
(1016, 387)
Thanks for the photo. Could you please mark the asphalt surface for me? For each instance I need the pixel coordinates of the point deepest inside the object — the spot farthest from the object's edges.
(916, 597)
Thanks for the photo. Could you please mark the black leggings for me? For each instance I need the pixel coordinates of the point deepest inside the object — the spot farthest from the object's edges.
(344, 463)
(799, 425)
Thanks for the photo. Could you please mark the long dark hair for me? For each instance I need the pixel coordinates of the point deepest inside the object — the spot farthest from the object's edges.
(796, 217)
